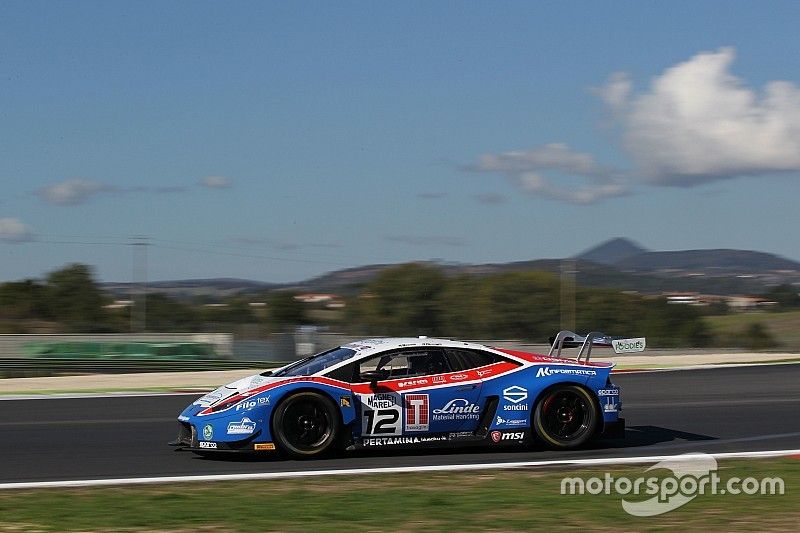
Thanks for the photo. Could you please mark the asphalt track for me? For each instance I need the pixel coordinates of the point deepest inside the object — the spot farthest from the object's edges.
(739, 409)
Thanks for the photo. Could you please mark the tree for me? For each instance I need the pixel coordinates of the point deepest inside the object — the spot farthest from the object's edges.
(24, 300)
(786, 296)
(284, 310)
(519, 305)
(167, 314)
(756, 337)
(74, 298)
(403, 300)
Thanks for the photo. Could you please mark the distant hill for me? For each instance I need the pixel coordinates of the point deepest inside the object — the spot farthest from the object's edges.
(740, 261)
(612, 252)
(618, 263)
(215, 289)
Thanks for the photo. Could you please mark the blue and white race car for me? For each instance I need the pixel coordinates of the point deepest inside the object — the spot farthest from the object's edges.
(413, 392)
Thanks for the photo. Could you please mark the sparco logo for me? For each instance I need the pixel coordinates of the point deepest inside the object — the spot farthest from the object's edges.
(547, 371)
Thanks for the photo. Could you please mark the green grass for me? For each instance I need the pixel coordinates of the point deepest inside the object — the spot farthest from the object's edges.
(478, 501)
(785, 326)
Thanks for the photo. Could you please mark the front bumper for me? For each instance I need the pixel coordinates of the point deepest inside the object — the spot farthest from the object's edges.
(187, 440)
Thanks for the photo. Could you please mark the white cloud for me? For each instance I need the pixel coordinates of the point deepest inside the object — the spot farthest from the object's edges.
(698, 123)
(534, 183)
(216, 182)
(553, 156)
(72, 191)
(526, 169)
(14, 230)
(695, 123)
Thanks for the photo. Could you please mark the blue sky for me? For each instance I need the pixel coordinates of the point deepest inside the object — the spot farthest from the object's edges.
(277, 141)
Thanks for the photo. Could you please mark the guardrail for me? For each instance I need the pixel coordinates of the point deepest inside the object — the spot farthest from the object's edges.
(28, 367)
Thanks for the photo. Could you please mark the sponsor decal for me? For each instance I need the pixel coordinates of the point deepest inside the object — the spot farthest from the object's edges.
(263, 446)
(486, 372)
(439, 379)
(208, 432)
(416, 412)
(511, 422)
(245, 426)
(211, 397)
(515, 394)
(344, 401)
(209, 445)
(457, 409)
(255, 402)
(256, 381)
(458, 377)
(610, 406)
(459, 435)
(629, 345)
(381, 414)
(183, 418)
(433, 438)
(498, 436)
(608, 392)
(389, 441)
(412, 383)
(382, 400)
(547, 372)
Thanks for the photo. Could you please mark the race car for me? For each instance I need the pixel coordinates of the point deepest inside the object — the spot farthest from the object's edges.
(386, 393)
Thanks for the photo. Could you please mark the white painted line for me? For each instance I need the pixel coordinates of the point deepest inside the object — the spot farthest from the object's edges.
(703, 367)
(385, 470)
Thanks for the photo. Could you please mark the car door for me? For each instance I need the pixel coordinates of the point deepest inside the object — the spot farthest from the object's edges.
(414, 392)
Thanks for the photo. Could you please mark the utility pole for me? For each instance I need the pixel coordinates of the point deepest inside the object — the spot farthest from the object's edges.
(568, 271)
(139, 246)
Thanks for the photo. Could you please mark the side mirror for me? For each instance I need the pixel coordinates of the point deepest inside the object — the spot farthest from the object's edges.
(374, 376)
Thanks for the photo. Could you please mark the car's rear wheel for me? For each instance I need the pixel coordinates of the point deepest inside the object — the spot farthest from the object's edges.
(565, 417)
(306, 424)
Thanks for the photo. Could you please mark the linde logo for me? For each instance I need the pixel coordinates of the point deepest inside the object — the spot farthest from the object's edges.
(547, 371)
(458, 409)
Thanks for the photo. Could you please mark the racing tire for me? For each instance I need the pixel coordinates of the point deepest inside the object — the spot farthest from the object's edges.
(306, 425)
(565, 417)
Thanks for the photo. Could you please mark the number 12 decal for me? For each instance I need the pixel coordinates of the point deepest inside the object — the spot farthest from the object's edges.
(381, 422)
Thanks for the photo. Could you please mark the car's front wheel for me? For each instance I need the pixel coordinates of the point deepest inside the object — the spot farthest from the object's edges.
(565, 417)
(306, 424)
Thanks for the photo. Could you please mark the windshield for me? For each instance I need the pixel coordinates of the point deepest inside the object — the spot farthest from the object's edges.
(316, 363)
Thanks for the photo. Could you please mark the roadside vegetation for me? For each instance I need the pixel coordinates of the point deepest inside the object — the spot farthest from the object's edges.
(519, 500)
(409, 299)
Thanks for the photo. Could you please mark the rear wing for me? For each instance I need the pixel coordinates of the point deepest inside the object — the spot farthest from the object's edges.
(568, 339)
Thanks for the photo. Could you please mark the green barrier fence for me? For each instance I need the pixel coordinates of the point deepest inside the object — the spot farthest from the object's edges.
(120, 350)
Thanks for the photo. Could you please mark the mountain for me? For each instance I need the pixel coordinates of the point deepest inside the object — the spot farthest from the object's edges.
(215, 289)
(612, 251)
(733, 261)
(618, 264)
